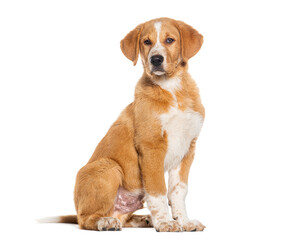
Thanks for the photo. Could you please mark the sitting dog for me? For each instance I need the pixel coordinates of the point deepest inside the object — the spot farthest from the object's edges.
(154, 134)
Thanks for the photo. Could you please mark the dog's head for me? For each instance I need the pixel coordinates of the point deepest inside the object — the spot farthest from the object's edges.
(163, 45)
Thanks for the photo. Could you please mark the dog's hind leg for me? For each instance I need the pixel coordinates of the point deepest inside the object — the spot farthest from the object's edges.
(95, 192)
(139, 221)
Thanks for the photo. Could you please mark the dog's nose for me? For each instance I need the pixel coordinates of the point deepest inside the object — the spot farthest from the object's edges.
(157, 60)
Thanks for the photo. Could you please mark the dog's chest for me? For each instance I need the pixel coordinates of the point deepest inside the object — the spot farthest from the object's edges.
(181, 127)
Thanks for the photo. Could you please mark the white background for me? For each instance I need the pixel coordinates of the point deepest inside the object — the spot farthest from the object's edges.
(64, 81)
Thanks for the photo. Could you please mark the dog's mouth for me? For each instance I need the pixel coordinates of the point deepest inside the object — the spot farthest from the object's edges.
(158, 71)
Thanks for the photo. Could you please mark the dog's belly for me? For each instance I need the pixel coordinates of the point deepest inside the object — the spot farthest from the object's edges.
(181, 127)
(128, 201)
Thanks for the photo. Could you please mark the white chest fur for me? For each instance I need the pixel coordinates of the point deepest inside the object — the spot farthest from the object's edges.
(180, 126)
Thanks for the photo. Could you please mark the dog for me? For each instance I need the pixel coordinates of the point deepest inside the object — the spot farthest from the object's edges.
(154, 134)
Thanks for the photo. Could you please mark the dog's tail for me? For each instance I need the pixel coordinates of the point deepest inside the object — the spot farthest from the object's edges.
(59, 219)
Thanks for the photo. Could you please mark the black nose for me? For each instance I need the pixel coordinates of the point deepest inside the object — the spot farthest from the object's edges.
(157, 60)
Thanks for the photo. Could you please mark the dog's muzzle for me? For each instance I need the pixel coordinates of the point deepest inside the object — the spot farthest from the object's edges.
(157, 64)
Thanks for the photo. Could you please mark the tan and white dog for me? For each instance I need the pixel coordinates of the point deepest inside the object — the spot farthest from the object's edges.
(153, 135)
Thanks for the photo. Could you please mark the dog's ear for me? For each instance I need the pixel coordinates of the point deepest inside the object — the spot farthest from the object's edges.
(130, 44)
(191, 40)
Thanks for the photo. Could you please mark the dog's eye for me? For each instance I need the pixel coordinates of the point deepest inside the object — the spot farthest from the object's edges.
(147, 42)
(169, 40)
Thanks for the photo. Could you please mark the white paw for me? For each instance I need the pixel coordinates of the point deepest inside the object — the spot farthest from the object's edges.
(170, 226)
(109, 224)
(192, 225)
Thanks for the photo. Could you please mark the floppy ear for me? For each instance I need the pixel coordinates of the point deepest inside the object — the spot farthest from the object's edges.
(130, 44)
(191, 40)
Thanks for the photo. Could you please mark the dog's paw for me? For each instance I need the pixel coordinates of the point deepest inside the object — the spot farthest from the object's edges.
(192, 225)
(171, 226)
(146, 221)
(139, 221)
(109, 224)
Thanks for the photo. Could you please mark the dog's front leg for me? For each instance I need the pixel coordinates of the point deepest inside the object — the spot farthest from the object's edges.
(152, 167)
(177, 191)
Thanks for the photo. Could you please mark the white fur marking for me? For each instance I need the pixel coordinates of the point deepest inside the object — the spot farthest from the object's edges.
(49, 220)
(158, 205)
(158, 48)
(181, 128)
(159, 73)
(177, 192)
(158, 26)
